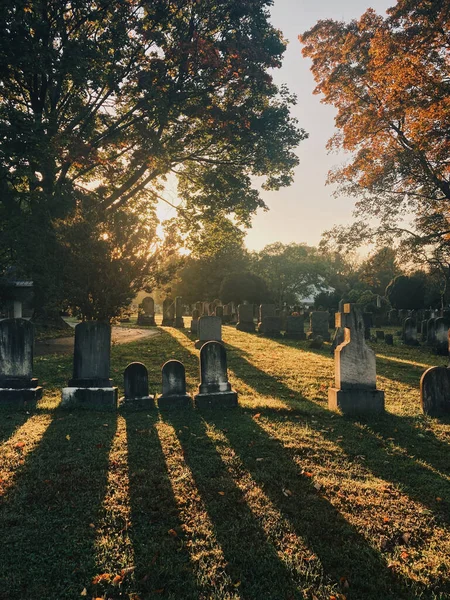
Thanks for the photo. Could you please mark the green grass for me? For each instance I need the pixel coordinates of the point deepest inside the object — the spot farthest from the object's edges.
(280, 499)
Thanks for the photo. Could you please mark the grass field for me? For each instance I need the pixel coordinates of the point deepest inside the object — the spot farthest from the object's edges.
(279, 499)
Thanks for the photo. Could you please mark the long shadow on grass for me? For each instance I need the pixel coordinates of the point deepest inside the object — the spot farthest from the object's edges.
(48, 517)
(162, 562)
(253, 563)
(381, 456)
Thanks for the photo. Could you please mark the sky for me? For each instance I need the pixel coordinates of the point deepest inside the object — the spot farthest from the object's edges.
(303, 211)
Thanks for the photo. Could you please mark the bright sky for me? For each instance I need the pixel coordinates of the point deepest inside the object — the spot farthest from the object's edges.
(303, 211)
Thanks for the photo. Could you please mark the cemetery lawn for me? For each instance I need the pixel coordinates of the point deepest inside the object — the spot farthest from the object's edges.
(279, 499)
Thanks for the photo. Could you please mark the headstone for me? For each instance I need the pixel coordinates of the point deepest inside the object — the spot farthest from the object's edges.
(435, 392)
(423, 330)
(295, 328)
(18, 387)
(245, 318)
(199, 307)
(270, 327)
(442, 325)
(90, 386)
(226, 317)
(389, 339)
(174, 386)
(219, 312)
(146, 315)
(410, 332)
(265, 310)
(319, 325)
(135, 380)
(168, 313)
(355, 370)
(209, 329)
(393, 317)
(368, 323)
(379, 335)
(214, 389)
(194, 321)
(431, 331)
(179, 313)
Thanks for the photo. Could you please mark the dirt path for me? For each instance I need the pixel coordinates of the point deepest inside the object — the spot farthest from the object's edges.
(120, 335)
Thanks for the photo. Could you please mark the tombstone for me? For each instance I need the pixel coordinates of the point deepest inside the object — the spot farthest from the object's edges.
(90, 386)
(194, 321)
(355, 388)
(234, 315)
(199, 307)
(283, 316)
(209, 329)
(368, 323)
(319, 325)
(168, 313)
(179, 313)
(135, 380)
(402, 315)
(245, 318)
(442, 325)
(214, 389)
(146, 315)
(219, 312)
(431, 331)
(174, 386)
(435, 392)
(393, 317)
(265, 310)
(379, 335)
(226, 317)
(423, 331)
(295, 328)
(18, 387)
(270, 327)
(410, 332)
(389, 339)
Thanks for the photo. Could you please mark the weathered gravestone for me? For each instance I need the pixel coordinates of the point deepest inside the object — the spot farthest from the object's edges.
(270, 327)
(226, 317)
(410, 332)
(146, 315)
(135, 380)
(355, 370)
(435, 391)
(423, 331)
(245, 318)
(319, 325)
(442, 325)
(214, 389)
(194, 321)
(174, 386)
(431, 331)
(219, 312)
(265, 310)
(379, 335)
(393, 317)
(209, 329)
(179, 313)
(295, 328)
(90, 386)
(389, 339)
(18, 387)
(168, 313)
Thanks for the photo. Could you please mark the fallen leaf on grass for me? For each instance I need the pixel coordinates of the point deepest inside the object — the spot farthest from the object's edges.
(221, 493)
(19, 445)
(404, 555)
(101, 578)
(172, 533)
(307, 474)
(257, 416)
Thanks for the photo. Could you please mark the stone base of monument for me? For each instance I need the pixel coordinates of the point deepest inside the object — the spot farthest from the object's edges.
(146, 320)
(294, 336)
(101, 398)
(143, 403)
(179, 323)
(356, 401)
(245, 326)
(168, 323)
(174, 402)
(20, 398)
(435, 391)
(216, 400)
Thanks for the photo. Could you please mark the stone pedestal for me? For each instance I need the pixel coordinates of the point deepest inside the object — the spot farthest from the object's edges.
(174, 394)
(90, 386)
(356, 401)
(18, 388)
(136, 394)
(245, 318)
(209, 329)
(214, 390)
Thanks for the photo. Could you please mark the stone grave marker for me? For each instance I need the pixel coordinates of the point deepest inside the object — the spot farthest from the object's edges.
(355, 389)
(431, 331)
(146, 315)
(209, 329)
(174, 393)
(194, 321)
(270, 327)
(442, 325)
(389, 339)
(435, 392)
(245, 318)
(319, 325)
(18, 387)
(135, 379)
(219, 312)
(168, 313)
(410, 332)
(265, 310)
(214, 389)
(295, 328)
(90, 386)
(179, 322)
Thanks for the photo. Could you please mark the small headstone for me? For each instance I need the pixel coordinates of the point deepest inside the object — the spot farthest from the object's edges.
(435, 392)
(423, 330)
(18, 387)
(410, 332)
(245, 318)
(135, 379)
(90, 386)
(214, 389)
(265, 310)
(209, 329)
(442, 325)
(295, 328)
(355, 370)
(379, 335)
(174, 386)
(226, 317)
(219, 311)
(168, 313)
(179, 313)
(270, 327)
(146, 315)
(431, 331)
(389, 339)
(319, 325)
(194, 321)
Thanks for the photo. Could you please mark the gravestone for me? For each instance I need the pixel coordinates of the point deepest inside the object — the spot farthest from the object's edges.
(209, 329)
(355, 370)
(270, 327)
(431, 331)
(219, 312)
(174, 386)
(368, 323)
(18, 387)
(146, 315)
(393, 317)
(245, 318)
(379, 335)
(168, 313)
(410, 332)
(435, 392)
(90, 386)
(135, 380)
(442, 325)
(194, 321)
(199, 307)
(179, 313)
(389, 339)
(265, 310)
(214, 389)
(295, 328)
(423, 331)
(226, 316)
(319, 325)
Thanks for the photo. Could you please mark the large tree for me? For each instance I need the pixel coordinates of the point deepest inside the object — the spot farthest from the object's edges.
(389, 79)
(100, 101)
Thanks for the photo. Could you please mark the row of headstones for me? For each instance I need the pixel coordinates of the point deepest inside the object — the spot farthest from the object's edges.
(91, 386)
(172, 312)
(398, 316)
(433, 332)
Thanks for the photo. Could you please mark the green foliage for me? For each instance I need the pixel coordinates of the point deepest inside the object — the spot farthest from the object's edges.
(406, 292)
(327, 300)
(380, 269)
(244, 286)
